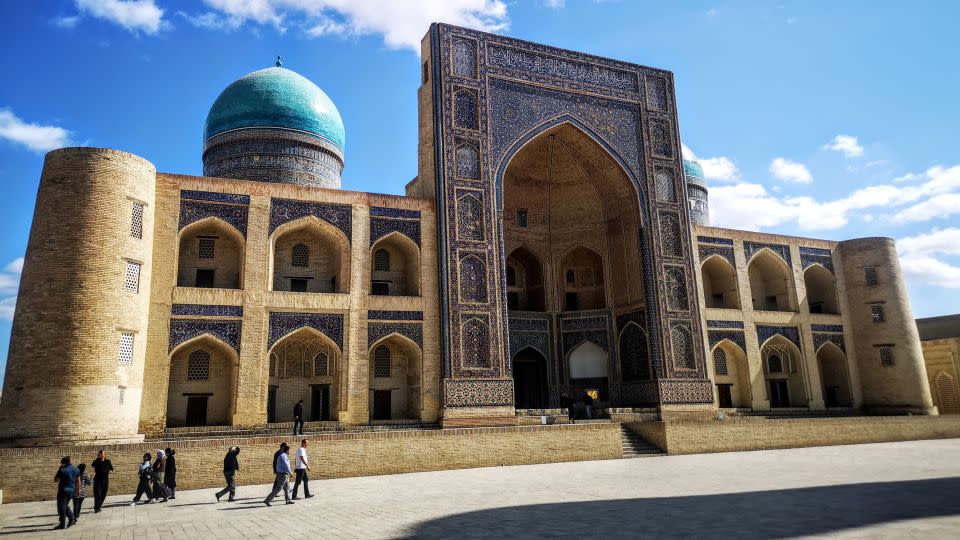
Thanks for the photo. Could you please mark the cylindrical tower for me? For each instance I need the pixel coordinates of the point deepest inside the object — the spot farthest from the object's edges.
(274, 125)
(696, 188)
(75, 367)
(887, 345)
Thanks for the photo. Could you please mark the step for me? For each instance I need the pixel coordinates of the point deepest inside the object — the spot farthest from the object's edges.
(635, 446)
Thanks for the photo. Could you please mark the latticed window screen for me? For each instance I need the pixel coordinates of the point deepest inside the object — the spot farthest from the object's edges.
(720, 361)
(886, 356)
(131, 278)
(207, 248)
(522, 217)
(126, 348)
(300, 255)
(876, 312)
(381, 260)
(381, 362)
(198, 365)
(775, 364)
(121, 393)
(870, 276)
(136, 220)
(321, 364)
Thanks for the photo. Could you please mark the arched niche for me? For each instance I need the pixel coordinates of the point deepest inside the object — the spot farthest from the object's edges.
(395, 364)
(582, 279)
(783, 372)
(719, 283)
(327, 268)
(524, 281)
(634, 354)
(210, 255)
(947, 393)
(307, 365)
(821, 290)
(201, 383)
(731, 375)
(834, 376)
(771, 286)
(530, 385)
(588, 361)
(395, 266)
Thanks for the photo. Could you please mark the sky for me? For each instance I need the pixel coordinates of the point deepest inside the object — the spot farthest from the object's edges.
(814, 118)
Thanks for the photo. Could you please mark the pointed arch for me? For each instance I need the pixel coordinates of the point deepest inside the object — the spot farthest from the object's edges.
(399, 383)
(530, 379)
(328, 268)
(588, 360)
(401, 275)
(771, 282)
(210, 254)
(582, 278)
(834, 376)
(634, 353)
(947, 393)
(783, 370)
(526, 293)
(202, 401)
(720, 284)
(734, 388)
(821, 289)
(296, 375)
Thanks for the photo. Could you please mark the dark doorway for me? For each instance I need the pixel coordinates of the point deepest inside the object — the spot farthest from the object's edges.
(197, 410)
(779, 396)
(830, 394)
(205, 278)
(380, 288)
(724, 398)
(298, 285)
(530, 380)
(319, 402)
(272, 404)
(381, 404)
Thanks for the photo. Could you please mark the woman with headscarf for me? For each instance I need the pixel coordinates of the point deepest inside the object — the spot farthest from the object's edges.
(170, 473)
(143, 487)
(159, 490)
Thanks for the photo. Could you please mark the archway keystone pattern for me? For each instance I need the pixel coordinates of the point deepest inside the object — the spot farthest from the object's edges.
(792, 333)
(810, 256)
(287, 210)
(384, 221)
(328, 324)
(750, 248)
(183, 330)
(198, 205)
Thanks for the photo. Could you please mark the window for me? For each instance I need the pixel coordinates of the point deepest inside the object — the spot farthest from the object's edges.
(571, 277)
(870, 276)
(381, 260)
(425, 73)
(136, 220)
(321, 364)
(720, 362)
(206, 248)
(298, 285)
(522, 217)
(131, 279)
(126, 348)
(121, 393)
(886, 355)
(876, 313)
(300, 256)
(774, 364)
(380, 288)
(511, 277)
(381, 362)
(204, 278)
(198, 365)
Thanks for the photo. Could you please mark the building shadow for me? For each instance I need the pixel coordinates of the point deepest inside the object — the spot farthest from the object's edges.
(754, 514)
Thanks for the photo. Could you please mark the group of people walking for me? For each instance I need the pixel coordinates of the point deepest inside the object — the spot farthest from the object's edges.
(281, 472)
(73, 483)
(158, 480)
(570, 404)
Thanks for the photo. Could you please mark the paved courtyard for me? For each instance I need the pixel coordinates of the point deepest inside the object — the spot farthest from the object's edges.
(879, 490)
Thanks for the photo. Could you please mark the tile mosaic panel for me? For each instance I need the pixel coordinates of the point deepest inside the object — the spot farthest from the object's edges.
(383, 315)
(287, 210)
(182, 330)
(413, 331)
(765, 332)
(750, 248)
(328, 324)
(206, 310)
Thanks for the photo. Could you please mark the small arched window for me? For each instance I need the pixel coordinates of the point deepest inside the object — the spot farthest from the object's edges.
(381, 362)
(381, 260)
(273, 365)
(511, 277)
(321, 364)
(720, 361)
(300, 255)
(198, 365)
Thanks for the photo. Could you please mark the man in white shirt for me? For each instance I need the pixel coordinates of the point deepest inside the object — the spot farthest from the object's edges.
(302, 467)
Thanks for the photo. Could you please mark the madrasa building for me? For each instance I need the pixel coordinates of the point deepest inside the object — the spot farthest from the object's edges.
(554, 243)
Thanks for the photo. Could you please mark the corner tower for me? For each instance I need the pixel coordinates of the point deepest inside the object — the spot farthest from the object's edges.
(274, 125)
(75, 368)
(696, 188)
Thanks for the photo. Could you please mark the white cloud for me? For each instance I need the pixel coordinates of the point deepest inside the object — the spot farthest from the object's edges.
(9, 283)
(720, 168)
(555, 4)
(846, 145)
(212, 21)
(909, 177)
(711, 12)
(937, 206)
(918, 257)
(34, 136)
(790, 171)
(67, 22)
(134, 15)
(402, 24)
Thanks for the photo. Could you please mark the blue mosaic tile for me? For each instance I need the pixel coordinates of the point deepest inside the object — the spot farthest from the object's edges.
(783, 251)
(194, 211)
(572, 339)
(382, 315)
(582, 323)
(380, 211)
(529, 325)
(206, 310)
(287, 210)
(182, 330)
(380, 227)
(716, 336)
(725, 252)
(230, 198)
(527, 62)
(413, 331)
(638, 317)
(520, 340)
(725, 324)
(826, 328)
(765, 332)
(715, 240)
(815, 251)
(837, 339)
(328, 324)
(809, 259)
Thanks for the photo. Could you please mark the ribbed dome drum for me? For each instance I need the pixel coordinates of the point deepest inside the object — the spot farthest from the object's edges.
(274, 125)
(696, 188)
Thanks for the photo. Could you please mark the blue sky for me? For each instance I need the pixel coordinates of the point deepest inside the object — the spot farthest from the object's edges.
(824, 119)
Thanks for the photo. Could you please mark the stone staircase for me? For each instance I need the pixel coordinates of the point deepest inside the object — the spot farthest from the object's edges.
(634, 446)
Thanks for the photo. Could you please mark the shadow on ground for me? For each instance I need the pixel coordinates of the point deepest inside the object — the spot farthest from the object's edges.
(755, 514)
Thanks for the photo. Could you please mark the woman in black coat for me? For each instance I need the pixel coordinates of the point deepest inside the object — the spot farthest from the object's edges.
(170, 473)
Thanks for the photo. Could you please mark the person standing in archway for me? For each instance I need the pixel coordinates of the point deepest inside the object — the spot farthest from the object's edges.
(298, 417)
(588, 404)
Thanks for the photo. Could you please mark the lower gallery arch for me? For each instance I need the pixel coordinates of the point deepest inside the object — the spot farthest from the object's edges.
(395, 380)
(783, 373)
(588, 368)
(305, 365)
(530, 386)
(201, 384)
(834, 377)
(731, 376)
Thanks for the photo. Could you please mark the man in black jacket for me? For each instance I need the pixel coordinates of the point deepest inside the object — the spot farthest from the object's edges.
(101, 479)
(230, 468)
(298, 417)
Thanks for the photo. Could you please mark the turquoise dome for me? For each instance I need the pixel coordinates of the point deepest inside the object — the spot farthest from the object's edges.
(691, 167)
(279, 98)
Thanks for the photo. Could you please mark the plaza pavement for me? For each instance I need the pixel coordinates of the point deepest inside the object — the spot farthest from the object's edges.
(893, 490)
